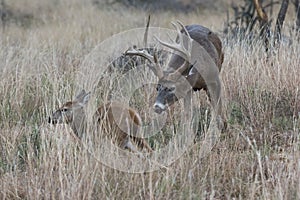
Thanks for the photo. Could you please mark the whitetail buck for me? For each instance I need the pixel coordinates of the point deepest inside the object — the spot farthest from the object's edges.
(194, 65)
(114, 119)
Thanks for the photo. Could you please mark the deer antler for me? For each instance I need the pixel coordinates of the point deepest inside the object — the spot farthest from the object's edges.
(186, 52)
(179, 46)
(156, 68)
(146, 31)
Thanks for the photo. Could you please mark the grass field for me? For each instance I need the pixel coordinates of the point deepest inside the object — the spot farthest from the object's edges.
(42, 48)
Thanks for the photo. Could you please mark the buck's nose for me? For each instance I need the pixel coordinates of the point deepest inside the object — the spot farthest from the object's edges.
(159, 107)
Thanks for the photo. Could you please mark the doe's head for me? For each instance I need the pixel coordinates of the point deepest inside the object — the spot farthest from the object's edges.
(65, 114)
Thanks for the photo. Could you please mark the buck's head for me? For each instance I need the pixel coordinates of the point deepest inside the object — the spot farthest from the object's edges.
(172, 84)
(165, 95)
(169, 90)
(70, 110)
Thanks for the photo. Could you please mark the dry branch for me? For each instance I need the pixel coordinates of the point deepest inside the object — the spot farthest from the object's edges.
(280, 19)
(297, 11)
(264, 24)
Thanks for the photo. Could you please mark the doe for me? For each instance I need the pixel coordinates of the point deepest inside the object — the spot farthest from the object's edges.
(116, 120)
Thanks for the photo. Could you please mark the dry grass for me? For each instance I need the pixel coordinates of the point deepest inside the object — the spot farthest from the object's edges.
(256, 158)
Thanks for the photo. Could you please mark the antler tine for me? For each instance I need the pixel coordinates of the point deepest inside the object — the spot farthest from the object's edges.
(179, 46)
(183, 27)
(142, 53)
(157, 70)
(178, 32)
(190, 40)
(186, 52)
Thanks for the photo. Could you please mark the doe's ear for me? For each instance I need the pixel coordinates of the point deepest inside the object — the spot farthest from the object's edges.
(83, 98)
(86, 98)
(80, 94)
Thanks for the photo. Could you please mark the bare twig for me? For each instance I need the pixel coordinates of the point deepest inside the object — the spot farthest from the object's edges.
(146, 32)
(264, 23)
(297, 10)
(280, 20)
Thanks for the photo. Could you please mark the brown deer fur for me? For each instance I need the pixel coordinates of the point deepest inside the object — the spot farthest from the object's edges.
(118, 121)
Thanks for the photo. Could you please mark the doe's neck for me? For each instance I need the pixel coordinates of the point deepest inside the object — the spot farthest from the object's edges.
(79, 123)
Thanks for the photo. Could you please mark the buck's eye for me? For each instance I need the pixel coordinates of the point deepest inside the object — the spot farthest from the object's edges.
(171, 89)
